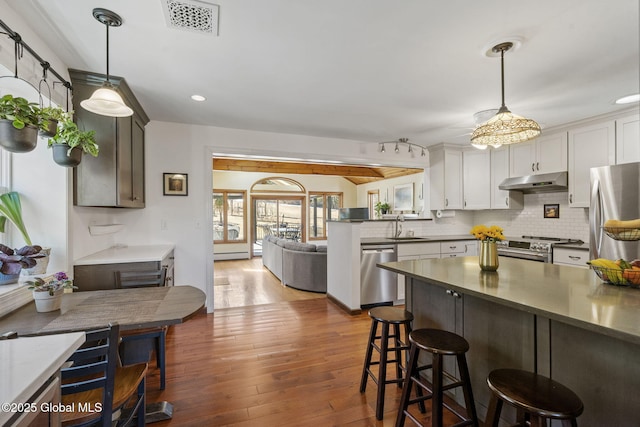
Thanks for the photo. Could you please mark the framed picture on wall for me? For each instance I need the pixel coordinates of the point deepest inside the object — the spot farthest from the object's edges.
(552, 211)
(403, 197)
(175, 184)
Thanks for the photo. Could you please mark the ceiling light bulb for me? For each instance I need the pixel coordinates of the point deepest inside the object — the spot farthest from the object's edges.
(629, 99)
(423, 153)
(397, 149)
(198, 98)
(382, 150)
(410, 150)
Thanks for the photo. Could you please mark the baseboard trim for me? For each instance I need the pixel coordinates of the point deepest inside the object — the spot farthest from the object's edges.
(342, 306)
(230, 256)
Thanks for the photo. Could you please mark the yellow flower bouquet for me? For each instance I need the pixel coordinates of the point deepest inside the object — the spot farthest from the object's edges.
(491, 234)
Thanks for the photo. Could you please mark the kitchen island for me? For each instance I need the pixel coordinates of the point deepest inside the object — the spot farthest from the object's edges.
(559, 321)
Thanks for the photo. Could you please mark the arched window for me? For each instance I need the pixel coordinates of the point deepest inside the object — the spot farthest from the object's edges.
(277, 209)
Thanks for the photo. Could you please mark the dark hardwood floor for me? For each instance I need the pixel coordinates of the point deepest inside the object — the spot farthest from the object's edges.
(289, 363)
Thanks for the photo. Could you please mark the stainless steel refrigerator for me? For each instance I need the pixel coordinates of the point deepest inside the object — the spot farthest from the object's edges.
(615, 194)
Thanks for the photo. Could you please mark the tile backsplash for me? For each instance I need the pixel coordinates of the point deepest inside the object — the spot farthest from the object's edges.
(573, 222)
(530, 221)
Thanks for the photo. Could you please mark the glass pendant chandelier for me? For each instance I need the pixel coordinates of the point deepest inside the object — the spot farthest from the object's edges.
(505, 127)
(105, 100)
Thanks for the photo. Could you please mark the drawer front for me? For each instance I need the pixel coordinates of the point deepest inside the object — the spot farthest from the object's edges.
(574, 257)
(408, 249)
(454, 247)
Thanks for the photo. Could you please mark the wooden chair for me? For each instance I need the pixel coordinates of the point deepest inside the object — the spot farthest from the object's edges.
(135, 346)
(97, 389)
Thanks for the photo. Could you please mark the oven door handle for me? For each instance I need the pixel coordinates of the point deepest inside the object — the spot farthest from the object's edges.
(534, 256)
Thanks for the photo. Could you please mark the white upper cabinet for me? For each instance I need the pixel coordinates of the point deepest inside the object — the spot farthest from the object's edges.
(542, 155)
(503, 199)
(477, 179)
(589, 147)
(445, 172)
(628, 139)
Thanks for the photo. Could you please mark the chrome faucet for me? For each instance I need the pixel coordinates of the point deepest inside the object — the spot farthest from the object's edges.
(398, 225)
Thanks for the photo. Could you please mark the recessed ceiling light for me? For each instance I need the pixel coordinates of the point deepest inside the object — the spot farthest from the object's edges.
(628, 99)
(198, 98)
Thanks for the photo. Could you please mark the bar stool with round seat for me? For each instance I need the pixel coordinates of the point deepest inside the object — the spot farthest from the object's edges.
(439, 343)
(386, 316)
(535, 397)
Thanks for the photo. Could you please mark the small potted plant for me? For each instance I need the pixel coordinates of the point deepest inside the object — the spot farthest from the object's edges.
(382, 208)
(49, 118)
(19, 123)
(12, 261)
(70, 143)
(47, 292)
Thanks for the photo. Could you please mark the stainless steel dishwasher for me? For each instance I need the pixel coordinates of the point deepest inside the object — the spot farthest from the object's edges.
(377, 286)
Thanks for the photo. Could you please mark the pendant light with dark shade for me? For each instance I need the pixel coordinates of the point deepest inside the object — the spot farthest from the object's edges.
(105, 100)
(505, 127)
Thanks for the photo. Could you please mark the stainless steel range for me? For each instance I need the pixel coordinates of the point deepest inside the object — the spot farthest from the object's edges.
(531, 247)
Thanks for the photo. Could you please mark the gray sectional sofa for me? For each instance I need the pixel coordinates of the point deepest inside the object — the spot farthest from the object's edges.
(298, 265)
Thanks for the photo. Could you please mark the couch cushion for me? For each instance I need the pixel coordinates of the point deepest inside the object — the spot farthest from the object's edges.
(321, 248)
(281, 242)
(272, 238)
(299, 246)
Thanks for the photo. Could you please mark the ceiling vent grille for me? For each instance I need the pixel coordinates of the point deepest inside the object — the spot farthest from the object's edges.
(192, 15)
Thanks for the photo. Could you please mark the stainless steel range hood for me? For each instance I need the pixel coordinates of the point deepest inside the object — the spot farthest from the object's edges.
(544, 183)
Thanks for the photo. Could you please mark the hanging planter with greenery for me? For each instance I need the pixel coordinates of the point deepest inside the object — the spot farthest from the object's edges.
(19, 123)
(49, 118)
(70, 143)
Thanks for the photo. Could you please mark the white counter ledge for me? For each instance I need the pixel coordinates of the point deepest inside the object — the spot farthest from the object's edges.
(27, 363)
(117, 254)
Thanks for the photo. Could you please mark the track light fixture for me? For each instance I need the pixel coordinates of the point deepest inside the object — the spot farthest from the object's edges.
(404, 141)
(105, 100)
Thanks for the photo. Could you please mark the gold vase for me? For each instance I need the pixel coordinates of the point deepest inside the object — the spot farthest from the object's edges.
(488, 258)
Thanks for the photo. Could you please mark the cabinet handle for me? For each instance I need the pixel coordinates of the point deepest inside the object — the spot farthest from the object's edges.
(452, 247)
(506, 201)
(456, 295)
(575, 258)
(533, 169)
(537, 165)
(570, 198)
(446, 202)
(465, 203)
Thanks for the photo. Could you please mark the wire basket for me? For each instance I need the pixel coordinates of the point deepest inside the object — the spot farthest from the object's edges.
(623, 233)
(618, 277)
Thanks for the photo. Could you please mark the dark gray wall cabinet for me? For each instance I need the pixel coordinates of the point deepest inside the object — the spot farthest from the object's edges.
(116, 177)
